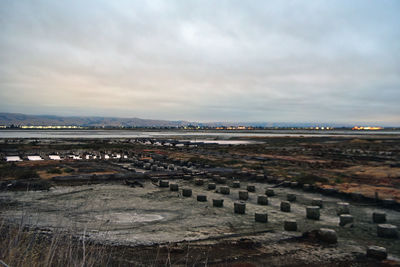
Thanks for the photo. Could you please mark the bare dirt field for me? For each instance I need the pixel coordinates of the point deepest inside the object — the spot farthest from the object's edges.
(119, 206)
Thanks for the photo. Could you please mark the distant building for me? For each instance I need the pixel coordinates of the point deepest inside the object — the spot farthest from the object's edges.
(34, 158)
(13, 158)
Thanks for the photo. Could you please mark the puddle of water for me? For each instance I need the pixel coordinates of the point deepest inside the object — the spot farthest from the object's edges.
(223, 142)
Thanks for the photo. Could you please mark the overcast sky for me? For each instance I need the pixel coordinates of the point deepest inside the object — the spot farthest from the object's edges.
(273, 61)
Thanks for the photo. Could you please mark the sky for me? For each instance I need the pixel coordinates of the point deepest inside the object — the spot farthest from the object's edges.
(248, 61)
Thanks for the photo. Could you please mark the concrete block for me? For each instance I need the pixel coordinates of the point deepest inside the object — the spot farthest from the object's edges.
(186, 192)
(243, 195)
(346, 219)
(387, 230)
(212, 186)
(199, 182)
(221, 180)
(285, 206)
(327, 235)
(240, 207)
(187, 177)
(164, 183)
(218, 202)
(270, 192)
(290, 225)
(224, 190)
(174, 187)
(317, 202)
(261, 217)
(343, 208)
(236, 184)
(251, 188)
(376, 252)
(202, 198)
(262, 200)
(379, 217)
(313, 212)
(291, 197)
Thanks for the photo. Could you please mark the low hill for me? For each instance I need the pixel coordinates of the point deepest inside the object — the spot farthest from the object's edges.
(36, 120)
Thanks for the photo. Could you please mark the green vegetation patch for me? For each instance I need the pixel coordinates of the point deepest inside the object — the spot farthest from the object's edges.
(54, 171)
(68, 170)
(12, 171)
(199, 160)
(307, 178)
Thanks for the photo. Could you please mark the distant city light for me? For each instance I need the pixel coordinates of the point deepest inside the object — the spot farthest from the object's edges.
(50, 127)
(368, 128)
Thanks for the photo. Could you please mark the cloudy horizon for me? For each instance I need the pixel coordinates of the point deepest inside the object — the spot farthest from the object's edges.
(264, 61)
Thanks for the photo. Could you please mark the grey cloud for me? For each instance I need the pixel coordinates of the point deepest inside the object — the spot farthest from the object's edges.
(203, 60)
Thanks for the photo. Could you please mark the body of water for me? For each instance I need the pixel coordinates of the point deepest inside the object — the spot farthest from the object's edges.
(168, 133)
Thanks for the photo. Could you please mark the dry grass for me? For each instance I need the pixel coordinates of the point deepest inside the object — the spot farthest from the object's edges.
(20, 246)
(372, 172)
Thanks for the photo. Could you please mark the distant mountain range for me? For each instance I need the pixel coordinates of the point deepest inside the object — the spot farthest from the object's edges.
(8, 119)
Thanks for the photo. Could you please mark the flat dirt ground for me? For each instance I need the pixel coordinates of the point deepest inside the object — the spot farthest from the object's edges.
(154, 217)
